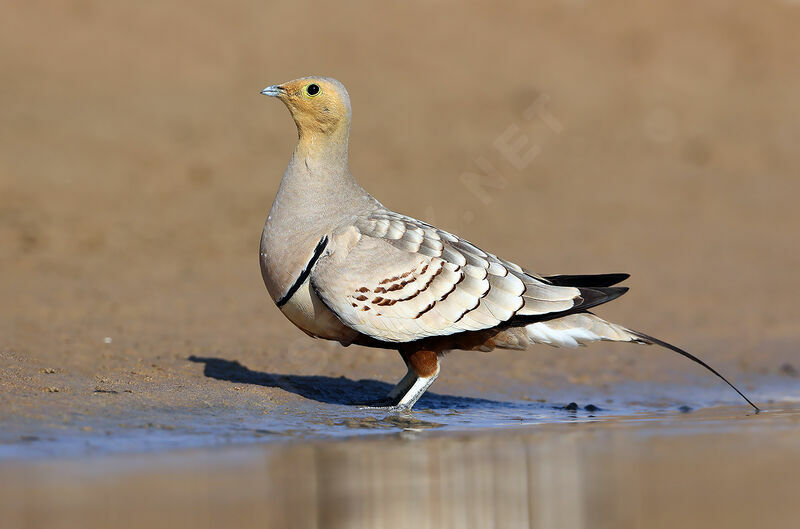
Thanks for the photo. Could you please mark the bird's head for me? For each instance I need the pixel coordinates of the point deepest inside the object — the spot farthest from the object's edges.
(319, 105)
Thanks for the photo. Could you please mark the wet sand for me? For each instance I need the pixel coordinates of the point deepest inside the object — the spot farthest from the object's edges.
(137, 165)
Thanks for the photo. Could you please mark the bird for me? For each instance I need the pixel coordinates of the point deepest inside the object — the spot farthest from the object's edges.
(341, 266)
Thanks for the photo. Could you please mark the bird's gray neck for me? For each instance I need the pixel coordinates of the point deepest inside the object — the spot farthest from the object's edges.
(319, 186)
(317, 195)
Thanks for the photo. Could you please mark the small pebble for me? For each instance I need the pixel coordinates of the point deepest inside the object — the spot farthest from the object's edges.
(684, 409)
(572, 406)
(591, 407)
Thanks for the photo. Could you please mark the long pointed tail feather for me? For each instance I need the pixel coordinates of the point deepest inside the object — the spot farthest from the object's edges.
(655, 341)
(581, 328)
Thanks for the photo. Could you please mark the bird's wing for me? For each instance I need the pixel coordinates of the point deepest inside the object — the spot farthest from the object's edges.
(397, 279)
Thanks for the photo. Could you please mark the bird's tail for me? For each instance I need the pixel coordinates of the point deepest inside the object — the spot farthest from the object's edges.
(584, 327)
(644, 338)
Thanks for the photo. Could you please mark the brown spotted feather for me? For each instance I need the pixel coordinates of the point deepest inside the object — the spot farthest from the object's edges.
(427, 282)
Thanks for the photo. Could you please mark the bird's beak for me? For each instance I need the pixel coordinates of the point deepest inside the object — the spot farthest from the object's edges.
(273, 91)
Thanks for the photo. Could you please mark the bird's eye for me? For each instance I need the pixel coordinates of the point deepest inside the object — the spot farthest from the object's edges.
(312, 89)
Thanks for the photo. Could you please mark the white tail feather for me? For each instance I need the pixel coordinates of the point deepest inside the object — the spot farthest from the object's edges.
(576, 329)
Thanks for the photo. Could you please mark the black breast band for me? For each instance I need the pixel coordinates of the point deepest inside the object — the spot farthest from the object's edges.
(323, 242)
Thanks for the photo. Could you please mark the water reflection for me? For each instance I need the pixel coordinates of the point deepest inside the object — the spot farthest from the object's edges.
(725, 469)
(583, 476)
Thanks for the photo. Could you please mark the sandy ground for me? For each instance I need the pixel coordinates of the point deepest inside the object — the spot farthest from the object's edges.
(137, 164)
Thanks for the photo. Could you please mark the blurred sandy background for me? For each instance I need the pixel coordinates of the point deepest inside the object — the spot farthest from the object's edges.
(138, 162)
(137, 166)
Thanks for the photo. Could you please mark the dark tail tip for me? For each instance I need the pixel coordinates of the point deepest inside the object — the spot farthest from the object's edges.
(650, 340)
(591, 280)
(599, 295)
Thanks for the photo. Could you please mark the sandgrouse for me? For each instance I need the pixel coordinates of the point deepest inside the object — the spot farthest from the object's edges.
(343, 267)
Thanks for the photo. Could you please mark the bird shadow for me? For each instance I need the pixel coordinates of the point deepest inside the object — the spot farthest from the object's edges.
(325, 389)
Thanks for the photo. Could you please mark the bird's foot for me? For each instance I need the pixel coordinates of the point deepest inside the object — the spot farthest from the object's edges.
(384, 404)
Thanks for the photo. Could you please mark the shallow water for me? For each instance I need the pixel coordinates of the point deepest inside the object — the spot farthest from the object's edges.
(638, 455)
(714, 467)
(165, 428)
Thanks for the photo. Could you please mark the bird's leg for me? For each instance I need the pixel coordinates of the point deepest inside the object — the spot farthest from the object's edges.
(424, 366)
(402, 387)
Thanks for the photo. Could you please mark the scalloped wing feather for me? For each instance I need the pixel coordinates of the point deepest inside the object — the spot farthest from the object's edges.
(397, 279)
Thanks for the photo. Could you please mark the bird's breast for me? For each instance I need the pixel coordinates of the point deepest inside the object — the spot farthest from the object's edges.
(310, 314)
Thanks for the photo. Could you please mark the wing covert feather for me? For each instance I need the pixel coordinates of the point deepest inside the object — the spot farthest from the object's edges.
(398, 279)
